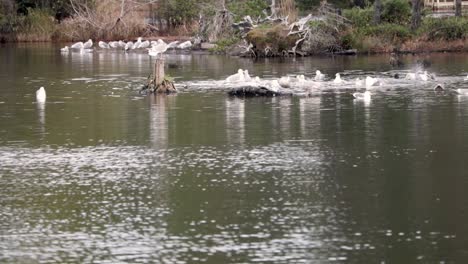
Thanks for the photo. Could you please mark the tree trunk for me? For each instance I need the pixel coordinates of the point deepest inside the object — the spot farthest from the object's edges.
(458, 8)
(377, 11)
(416, 14)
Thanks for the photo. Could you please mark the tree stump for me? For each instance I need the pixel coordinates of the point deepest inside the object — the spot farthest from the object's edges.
(157, 82)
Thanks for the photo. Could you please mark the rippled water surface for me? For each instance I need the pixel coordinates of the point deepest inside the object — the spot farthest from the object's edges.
(101, 174)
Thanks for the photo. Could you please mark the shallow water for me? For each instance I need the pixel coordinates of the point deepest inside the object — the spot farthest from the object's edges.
(101, 174)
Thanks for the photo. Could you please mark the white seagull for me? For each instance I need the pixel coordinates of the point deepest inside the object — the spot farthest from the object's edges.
(337, 78)
(318, 75)
(185, 45)
(41, 95)
(238, 77)
(77, 45)
(88, 44)
(114, 44)
(160, 48)
(424, 76)
(128, 46)
(173, 44)
(103, 45)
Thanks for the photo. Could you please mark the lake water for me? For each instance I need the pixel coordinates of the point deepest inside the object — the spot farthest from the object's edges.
(101, 174)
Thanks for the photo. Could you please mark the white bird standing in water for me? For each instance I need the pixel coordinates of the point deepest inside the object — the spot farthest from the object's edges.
(41, 95)
(65, 49)
(318, 75)
(366, 96)
(337, 78)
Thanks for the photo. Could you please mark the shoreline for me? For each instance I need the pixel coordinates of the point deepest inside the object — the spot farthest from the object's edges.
(409, 47)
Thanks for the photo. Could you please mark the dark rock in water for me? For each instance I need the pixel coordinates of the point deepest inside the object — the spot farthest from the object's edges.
(396, 76)
(254, 91)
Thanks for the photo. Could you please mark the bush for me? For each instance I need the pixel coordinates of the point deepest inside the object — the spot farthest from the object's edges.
(444, 28)
(396, 12)
(359, 17)
(223, 44)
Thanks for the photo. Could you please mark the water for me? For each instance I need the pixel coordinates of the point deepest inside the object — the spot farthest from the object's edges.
(100, 174)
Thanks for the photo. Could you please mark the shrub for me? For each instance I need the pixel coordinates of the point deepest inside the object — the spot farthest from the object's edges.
(444, 28)
(358, 16)
(396, 12)
(390, 32)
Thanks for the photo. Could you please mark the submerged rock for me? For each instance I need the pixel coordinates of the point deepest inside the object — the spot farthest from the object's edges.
(247, 91)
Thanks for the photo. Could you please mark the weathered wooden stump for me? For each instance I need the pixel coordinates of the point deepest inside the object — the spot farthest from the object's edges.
(157, 82)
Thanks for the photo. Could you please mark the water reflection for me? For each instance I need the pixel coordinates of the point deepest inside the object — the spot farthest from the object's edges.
(235, 120)
(200, 177)
(41, 117)
(159, 121)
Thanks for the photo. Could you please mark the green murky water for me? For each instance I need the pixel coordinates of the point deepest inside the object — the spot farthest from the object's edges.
(100, 174)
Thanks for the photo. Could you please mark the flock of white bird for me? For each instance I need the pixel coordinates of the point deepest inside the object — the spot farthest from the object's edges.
(154, 48)
(242, 77)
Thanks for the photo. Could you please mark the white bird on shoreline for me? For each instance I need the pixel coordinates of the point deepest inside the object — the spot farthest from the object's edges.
(122, 44)
(145, 44)
(41, 95)
(173, 44)
(185, 45)
(114, 44)
(77, 45)
(88, 44)
(366, 96)
(337, 79)
(318, 75)
(128, 46)
(137, 44)
(103, 45)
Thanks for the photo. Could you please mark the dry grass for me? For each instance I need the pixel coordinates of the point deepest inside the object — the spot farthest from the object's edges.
(422, 45)
(103, 22)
